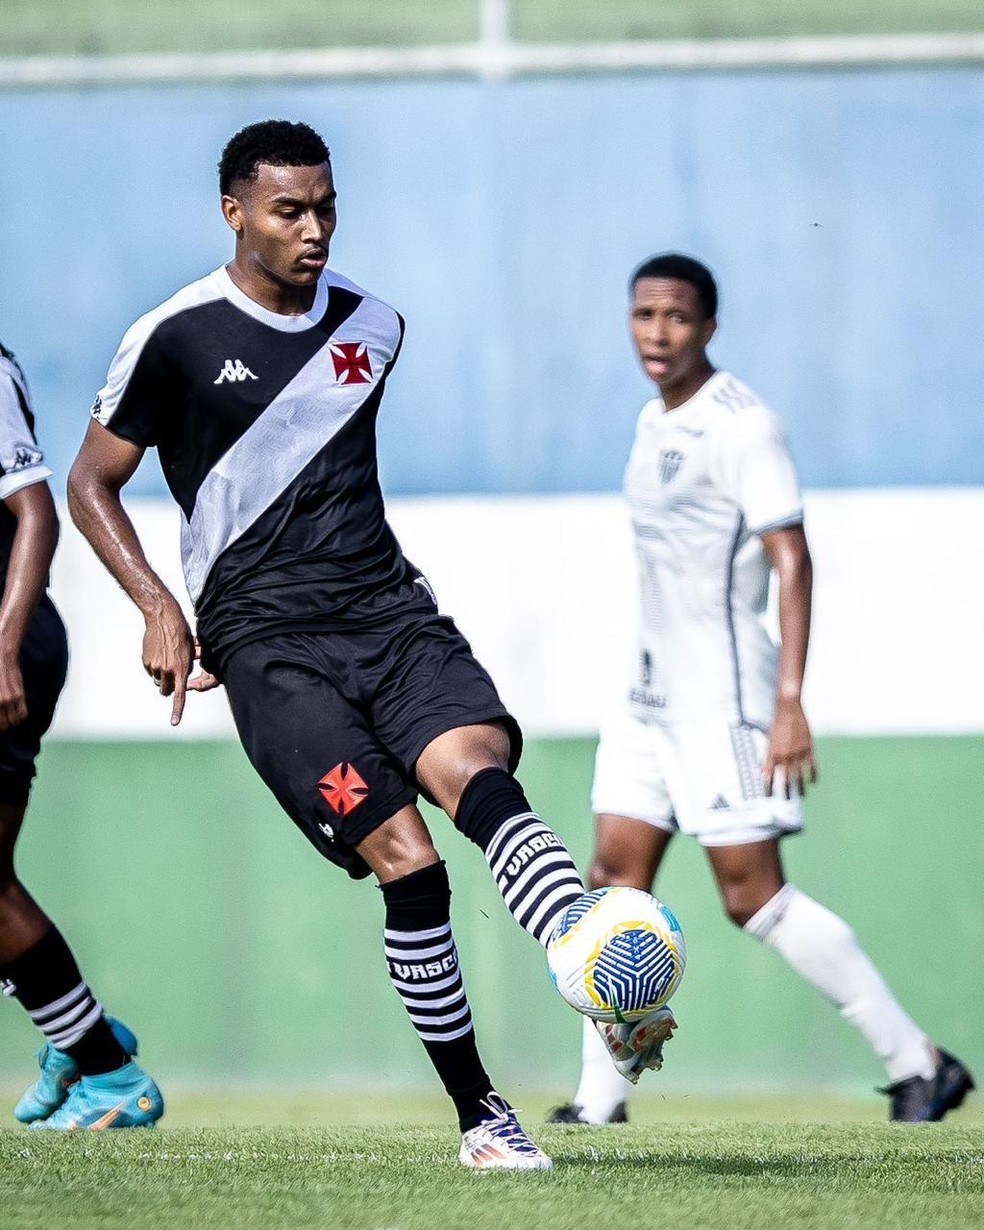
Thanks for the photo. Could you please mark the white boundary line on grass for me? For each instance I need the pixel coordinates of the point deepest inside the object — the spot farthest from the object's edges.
(493, 58)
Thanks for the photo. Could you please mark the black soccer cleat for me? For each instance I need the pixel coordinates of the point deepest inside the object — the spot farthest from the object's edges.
(918, 1100)
(570, 1112)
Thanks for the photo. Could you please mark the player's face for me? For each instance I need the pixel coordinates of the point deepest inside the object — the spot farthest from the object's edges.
(284, 220)
(671, 333)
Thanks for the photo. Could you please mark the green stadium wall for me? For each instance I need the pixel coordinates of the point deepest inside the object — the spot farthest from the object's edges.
(203, 918)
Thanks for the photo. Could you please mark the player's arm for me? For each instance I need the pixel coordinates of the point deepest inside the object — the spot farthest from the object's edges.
(33, 548)
(105, 463)
(791, 744)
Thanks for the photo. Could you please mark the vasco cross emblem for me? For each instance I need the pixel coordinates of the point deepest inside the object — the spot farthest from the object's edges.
(343, 789)
(351, 360)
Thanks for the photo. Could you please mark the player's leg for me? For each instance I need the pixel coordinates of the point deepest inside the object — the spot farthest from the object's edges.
(355, 803)
(422, 961)
(37, 967)
(629, 852)
(824, 950)
(633, 827)
(438, 711)
(467, 771)
(422, 958)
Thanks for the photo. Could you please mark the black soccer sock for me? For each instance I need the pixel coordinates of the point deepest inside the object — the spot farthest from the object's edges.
(423, 966)
(530, 864)
(46, 981)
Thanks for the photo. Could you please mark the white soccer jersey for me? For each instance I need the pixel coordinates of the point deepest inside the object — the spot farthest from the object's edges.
(21, 462)
(703, 482)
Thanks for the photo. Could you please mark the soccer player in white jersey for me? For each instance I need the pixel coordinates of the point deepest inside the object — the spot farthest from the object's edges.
(86, 1059)
(712, 739)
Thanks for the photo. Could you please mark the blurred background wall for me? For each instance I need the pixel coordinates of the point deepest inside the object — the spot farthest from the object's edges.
(502, 213)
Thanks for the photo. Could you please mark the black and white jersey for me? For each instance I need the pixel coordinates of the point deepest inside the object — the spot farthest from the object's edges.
(265, 428)
(21, 462)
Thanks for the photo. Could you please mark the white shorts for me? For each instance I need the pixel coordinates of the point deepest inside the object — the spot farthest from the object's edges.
(699, 778)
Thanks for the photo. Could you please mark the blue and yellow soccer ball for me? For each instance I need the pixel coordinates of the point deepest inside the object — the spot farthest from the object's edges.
(617, 954)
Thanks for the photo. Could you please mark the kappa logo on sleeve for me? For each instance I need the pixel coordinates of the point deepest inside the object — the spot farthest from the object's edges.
(351, 362)
(343, 789)
(24, 458)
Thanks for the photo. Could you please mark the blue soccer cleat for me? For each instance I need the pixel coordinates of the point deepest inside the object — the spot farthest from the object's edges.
(125, 1098)
(58, 1073)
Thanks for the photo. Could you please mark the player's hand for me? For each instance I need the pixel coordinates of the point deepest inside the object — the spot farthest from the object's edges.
(790, 749)
(168, 652)
(204, 681)
(13, 703)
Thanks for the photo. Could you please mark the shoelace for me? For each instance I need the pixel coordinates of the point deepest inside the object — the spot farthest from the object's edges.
(504, 1126)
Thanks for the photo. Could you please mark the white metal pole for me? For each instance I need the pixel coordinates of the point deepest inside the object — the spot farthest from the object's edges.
(494, 36)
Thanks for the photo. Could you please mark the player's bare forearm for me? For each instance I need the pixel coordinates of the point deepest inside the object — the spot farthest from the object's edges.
(31, 553)
(102, 468)
(789, 555)
(791, 743)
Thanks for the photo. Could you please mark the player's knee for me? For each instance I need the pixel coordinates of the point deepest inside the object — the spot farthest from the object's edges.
(11, 899)
(399, 847)
(611, 868)
(8, 876)
(742, 902)
(597, 875)
(453, 760)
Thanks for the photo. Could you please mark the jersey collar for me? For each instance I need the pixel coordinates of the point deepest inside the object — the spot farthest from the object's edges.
(286, 324)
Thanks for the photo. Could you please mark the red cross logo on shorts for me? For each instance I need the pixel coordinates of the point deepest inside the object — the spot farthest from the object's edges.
(343, 789)
(351, 360)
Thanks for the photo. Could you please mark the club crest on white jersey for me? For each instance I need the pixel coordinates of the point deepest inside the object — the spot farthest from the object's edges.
(670, 461)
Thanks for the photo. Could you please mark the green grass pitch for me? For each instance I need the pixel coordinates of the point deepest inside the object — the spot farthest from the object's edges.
(383, 1162)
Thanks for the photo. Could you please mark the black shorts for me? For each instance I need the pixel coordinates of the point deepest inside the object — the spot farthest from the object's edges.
(43, 664)
(334, 721)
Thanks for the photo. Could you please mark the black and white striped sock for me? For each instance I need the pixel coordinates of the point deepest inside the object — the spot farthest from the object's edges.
(532, 867)
(423, 966)
(422, 960)
(47, 982)
(67, 1019)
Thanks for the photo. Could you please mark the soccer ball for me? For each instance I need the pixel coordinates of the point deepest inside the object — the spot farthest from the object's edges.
(616, 954)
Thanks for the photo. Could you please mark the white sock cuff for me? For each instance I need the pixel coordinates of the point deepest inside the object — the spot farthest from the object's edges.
(601, 1086)
(764, 920)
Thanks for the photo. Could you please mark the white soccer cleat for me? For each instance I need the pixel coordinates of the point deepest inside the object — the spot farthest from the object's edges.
(499, 1143)
(637, 1045)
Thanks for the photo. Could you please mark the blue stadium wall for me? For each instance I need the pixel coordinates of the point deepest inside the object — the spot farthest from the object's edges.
(841, 211)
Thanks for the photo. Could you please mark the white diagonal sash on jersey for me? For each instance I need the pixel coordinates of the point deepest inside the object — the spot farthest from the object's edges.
(287, 436)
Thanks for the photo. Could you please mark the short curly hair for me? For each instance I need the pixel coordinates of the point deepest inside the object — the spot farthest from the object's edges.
(279, 143)
(684, 269)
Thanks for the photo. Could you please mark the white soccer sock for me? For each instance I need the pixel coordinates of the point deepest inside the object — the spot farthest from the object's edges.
(602, 1086)
(824, 950)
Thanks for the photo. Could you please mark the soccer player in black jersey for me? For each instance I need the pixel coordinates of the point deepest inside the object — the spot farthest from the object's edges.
(259, 385)
(88, 1077)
